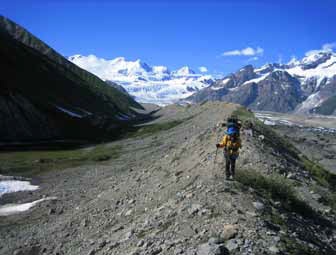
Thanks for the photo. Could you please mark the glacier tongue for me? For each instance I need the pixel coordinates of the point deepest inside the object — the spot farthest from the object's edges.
(148, 84)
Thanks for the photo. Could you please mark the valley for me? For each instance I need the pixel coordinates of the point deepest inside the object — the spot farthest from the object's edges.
(313, 135)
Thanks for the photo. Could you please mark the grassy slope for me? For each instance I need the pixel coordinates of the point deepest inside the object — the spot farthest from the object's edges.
(30, 163)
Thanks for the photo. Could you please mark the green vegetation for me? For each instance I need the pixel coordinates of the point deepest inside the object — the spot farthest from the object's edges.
(277, 188)
(293, 247)
(276, 218)
(243, 114)
(322, 176)
(325, 179)
(150, 129)
(29, 163)
(329, 199)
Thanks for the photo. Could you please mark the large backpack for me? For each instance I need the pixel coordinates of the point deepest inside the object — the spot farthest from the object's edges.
(233, 125)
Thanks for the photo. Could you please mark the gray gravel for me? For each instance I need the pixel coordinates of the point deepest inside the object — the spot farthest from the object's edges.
(164, 195)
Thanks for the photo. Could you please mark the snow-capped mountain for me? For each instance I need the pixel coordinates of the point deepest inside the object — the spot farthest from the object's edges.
(148, 84)
(304, 86)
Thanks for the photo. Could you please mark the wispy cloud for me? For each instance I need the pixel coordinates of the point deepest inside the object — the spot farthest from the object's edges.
(253, 59)
(203, 69)
(280, 59)
(327, 47)
(249, 51)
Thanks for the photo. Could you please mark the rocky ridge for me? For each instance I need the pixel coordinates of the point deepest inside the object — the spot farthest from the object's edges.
(166, 194)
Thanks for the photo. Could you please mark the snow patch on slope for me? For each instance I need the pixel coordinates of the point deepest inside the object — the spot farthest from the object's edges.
(9, 186)
(225, 80)
(256, 80)
(11, 209)
(312, 101)
(72, 114)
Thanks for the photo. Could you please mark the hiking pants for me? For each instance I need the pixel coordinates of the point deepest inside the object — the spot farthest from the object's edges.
(230, 166)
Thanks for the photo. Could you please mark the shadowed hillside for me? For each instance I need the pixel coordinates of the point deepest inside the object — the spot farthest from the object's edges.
(44, 96)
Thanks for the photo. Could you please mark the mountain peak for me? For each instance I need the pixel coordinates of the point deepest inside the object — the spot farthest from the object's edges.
(293, 62)
(314, 59)
(143, 65)
(161, 69)
(74, 57)
(118, 60)
(248, 67)
(186, 70)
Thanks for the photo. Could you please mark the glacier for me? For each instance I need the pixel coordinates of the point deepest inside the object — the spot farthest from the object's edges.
(147, 84)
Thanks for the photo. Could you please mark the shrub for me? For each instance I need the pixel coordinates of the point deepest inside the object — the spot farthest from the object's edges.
(322, 176)
(277, 188)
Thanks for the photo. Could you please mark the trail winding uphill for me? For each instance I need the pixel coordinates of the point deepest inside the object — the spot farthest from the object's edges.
(165, 194)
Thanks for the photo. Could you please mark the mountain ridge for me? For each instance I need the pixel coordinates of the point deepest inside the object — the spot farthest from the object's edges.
(299, 86)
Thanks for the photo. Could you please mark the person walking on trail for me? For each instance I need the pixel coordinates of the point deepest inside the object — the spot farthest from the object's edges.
(231, 143)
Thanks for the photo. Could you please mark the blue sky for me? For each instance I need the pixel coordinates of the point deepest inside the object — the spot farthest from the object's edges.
(220, 35)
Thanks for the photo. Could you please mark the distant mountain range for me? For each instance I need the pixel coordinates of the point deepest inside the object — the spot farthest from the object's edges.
(148, 84)
(46, 97)
(306, 86)
(301, 86)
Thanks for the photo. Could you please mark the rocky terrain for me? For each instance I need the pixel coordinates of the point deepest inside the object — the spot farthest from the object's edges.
(165, 193)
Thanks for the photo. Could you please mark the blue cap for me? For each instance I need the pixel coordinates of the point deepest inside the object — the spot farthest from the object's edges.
(231, 131)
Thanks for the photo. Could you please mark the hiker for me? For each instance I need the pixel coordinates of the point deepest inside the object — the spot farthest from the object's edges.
(231, 143)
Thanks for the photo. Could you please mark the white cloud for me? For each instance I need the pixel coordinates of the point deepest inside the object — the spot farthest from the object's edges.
(253, 59)
(244, 52)
(327, 47)
(203, 69)
(312, 52)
